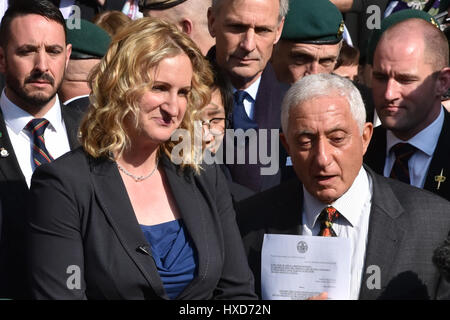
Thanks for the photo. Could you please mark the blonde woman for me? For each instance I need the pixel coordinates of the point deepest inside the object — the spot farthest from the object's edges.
(118, 212)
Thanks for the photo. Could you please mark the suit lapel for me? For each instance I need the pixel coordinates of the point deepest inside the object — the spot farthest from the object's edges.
(9, 165)
(72, 120)
(114, 201)
(376, 153)
(384, 237)
(440, 162)
(288, 203)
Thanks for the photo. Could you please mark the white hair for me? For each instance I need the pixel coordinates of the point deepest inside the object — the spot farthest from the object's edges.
(320, 85)
(284, 7)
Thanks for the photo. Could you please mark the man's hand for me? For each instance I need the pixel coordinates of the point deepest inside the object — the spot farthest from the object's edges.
(321, 296)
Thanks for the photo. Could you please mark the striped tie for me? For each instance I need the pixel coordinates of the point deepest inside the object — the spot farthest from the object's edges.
(40, 152)
(326, 218)
(400, 170)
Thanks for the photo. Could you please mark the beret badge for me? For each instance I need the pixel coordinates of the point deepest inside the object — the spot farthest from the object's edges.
(341, 29)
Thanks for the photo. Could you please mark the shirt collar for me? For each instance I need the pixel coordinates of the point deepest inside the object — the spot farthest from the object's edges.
(17, 118)
(349, 205)
(426, 140)
(252, 90)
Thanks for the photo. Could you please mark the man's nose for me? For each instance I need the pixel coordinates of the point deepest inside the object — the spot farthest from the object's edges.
(323, 154)
(248, 41)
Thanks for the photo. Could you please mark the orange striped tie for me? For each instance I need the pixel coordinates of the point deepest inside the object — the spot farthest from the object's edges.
(40, 153)
(326, 218)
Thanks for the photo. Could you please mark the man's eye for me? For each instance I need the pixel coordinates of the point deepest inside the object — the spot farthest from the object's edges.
(338, 139)
(326, 62)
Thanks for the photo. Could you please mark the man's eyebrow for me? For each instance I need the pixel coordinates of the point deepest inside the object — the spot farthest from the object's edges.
(235, 22)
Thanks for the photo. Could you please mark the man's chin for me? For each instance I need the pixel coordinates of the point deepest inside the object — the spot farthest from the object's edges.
(38, 98)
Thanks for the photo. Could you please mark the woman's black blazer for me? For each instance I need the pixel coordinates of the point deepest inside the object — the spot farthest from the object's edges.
(85, 241)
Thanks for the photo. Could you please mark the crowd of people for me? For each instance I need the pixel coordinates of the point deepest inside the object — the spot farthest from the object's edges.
(148, 149)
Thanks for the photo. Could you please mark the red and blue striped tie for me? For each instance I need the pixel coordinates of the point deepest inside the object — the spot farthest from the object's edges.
(40, 153)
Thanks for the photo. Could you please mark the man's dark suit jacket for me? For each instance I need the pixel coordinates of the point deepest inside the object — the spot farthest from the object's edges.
(79, 104)
(14, 195)
(376, 155)
(98, 231)
(406, 224)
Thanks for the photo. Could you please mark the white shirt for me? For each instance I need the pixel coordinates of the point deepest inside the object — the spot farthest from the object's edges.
(425, 141)
(55, 135)
(353, 223)
(249, 104)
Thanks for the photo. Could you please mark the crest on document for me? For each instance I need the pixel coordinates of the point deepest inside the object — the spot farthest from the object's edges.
(302, 247)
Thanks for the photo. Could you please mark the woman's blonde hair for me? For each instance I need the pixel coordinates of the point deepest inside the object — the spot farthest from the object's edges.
(123, 76)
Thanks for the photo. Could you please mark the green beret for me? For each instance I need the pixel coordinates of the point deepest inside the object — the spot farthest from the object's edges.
(159, 4)
(317, 21)
(392, 20)
(88, 42)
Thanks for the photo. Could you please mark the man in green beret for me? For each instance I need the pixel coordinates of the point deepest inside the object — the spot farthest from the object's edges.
(410, 57)
(89, 45)
(189, 16)
(310, 42)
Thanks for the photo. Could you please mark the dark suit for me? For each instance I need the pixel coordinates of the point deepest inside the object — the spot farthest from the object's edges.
(98, 231)
(376, 155)
(14, 193)
(406, 224)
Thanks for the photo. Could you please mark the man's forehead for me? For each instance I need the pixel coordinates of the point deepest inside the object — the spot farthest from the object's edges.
(246, 13)
(32, 28)
(310, 47)
(321, 108)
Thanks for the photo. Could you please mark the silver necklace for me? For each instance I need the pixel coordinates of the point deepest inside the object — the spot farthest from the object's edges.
(138, 178)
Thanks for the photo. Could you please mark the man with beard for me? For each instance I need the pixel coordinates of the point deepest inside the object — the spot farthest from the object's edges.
(34, 127)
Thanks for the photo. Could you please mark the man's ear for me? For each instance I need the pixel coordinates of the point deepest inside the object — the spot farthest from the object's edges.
(443, 81)
(279, 30)
(367, 135)
(187, 26)
(68, 53)
(2, 60)
(211, 20)
(283, 140)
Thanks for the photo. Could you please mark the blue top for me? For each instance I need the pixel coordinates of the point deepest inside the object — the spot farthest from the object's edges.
(174, 255)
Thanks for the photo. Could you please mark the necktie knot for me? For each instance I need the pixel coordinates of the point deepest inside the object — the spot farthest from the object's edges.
(326, 218)
(239, 96)
(400, 170)
(37, 126)
(240, 118)
(40, 153)
(403, 151)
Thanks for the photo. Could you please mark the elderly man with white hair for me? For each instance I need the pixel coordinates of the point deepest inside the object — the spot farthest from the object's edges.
(389, 224)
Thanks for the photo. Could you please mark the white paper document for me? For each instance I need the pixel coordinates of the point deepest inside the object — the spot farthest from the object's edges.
(298, 267)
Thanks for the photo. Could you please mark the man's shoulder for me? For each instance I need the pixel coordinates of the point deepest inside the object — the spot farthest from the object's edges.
(411, 198)
(271, 208)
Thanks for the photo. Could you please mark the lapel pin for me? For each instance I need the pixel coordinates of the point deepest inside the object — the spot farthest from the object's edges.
(4, 153)
(440, 178)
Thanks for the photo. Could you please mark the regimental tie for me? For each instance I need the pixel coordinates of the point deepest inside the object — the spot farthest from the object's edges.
(403, 152)
(240, 118)
(40, 153)
(326, 218)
